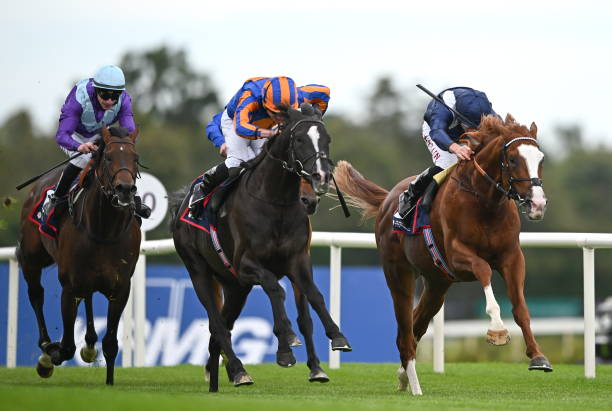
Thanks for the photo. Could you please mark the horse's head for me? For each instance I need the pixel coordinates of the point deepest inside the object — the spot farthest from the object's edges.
(117, 165)
(309, 147)
(521, 162)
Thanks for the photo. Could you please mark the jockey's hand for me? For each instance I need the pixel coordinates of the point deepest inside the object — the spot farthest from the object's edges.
(87, 147)
(462, 152)
(223, 150)
(267, 133)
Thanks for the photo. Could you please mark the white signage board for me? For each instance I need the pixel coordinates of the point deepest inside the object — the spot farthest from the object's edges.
(153, 194)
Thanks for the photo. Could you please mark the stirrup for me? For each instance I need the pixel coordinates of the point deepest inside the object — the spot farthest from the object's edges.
(406, 204)
(197, 196)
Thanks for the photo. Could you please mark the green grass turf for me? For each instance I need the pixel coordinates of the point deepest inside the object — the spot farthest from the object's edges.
(353, 387)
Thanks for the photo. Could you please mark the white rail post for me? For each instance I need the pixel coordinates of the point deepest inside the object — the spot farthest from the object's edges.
(11, 332)
(335, 265)
(588, 260)
(139, 288)
(438, 341)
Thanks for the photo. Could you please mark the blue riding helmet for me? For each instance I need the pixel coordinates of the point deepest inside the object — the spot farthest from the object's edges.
(473, 104)
(109, 77)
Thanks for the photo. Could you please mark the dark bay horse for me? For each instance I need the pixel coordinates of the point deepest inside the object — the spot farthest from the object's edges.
(96, 250)
(475, 227)
(263, 229)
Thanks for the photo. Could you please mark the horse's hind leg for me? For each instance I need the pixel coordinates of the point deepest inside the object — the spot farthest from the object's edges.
(110, 345)
(513, 271)
(430, 303)
(89, 352)
(302, 275)
(305, 324)
(401, 282)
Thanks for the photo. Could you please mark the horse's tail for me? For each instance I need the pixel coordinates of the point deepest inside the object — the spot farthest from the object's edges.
(175, 200)
(360, 192)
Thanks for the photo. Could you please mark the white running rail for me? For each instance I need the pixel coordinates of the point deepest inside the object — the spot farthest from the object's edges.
(336, 241)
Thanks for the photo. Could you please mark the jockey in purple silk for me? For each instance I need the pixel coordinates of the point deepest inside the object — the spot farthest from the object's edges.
(92, 103)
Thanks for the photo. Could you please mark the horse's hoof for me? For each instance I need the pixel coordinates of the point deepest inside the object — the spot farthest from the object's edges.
(498, 337)
(89, 354)
(341, 344)
(44, 367)
(54, 350)
(540, 363)
(318, 376)
(294, 341)
(242, 378)
(285, 359)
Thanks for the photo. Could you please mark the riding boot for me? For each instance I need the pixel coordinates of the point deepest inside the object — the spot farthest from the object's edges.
(211, 179)
(68, 175)
(409, 198)
(141, 208)
(429, 195)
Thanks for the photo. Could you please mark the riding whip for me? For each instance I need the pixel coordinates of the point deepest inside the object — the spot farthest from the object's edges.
(347, 214)
(30, 181)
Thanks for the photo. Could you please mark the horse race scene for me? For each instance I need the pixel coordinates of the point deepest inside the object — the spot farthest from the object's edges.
(306, 206)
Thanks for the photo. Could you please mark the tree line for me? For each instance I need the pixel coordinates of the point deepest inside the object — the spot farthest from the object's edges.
(173, 102)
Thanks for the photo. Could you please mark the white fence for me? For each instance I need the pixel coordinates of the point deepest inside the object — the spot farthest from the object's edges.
(336, 241)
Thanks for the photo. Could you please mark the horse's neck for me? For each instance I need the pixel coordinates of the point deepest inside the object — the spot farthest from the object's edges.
(271, 181)
(488, 194)
(98, 215)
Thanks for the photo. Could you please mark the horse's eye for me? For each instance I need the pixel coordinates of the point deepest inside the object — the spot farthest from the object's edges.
(512, 161)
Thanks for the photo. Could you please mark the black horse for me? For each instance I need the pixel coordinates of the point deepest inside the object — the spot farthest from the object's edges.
(264, 230)
(96, 250)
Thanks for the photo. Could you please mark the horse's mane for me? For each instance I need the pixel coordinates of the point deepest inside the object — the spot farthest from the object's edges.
(493, 126)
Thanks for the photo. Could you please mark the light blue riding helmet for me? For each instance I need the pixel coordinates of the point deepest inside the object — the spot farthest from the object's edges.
(109, 77)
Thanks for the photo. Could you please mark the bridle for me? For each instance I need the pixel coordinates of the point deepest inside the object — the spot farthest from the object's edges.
(511, 192)
(110, 191)
(293, 164)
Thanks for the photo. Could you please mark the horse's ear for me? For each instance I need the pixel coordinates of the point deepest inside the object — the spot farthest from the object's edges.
(509, 119)
(533, 130)
(106, 135)
(134, 135)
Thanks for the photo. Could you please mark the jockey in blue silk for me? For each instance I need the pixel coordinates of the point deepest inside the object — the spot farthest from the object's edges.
(441, 131)
(91, 103)
(251, 116)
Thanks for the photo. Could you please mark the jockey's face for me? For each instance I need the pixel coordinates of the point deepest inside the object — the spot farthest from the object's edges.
(106, 104)
(278, 118)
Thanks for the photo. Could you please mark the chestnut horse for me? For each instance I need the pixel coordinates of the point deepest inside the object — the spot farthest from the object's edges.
(475, 227)
(264, 232)
(96, 250)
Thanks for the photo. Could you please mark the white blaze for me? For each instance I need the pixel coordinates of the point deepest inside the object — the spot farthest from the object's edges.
(533, 156)
(313, 133)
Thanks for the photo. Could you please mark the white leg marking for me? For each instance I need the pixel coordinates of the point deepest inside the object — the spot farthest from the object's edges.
(313, 133)
(533, 157)
(413, 379)
(493, 310)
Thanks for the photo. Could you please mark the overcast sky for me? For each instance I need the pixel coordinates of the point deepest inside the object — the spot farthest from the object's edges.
(543, 61)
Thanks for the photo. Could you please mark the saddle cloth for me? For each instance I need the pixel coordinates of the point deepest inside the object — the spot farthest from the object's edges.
(206, 220)
(416, 223)
(49, 226)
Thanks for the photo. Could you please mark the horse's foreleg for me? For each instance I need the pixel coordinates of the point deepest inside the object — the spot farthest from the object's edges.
(60, 352)
(276, 295)
(302, 275)
(464, 259)
(305, 324)
(36, 294)
(110, 345)
(513, 271)
(89, 352)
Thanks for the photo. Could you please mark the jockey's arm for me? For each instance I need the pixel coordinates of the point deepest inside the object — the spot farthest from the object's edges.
(244, 128)
(213, 130)
(126, 116)
(70, 118)
(439, 120)
(315, 94)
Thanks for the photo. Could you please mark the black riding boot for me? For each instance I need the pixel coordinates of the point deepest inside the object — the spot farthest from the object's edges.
(211, 179)
(409, 198)
(68, 175)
